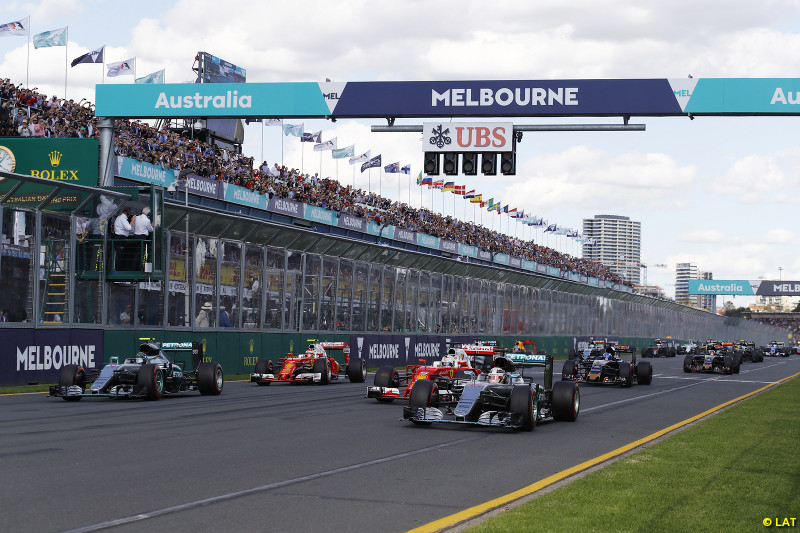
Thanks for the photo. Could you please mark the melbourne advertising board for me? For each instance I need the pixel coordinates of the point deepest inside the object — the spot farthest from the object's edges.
(477, 98)
(37, 356)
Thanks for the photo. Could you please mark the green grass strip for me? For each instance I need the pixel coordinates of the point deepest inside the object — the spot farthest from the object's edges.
(729, 472)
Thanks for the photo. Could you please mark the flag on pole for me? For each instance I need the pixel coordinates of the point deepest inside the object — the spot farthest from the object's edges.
(374, 162)
(341, 153)
(406, 169)
(327, 145)
(477, 199)
(470, 194)
(155, 77)
(427, 180)
(308, 137)
(50, 38)
(295, 130)
(551, 227)
(95, 56)
(121, 68)
(266, 122)
(361, 158)
(17, 27)
(449, 186)
(393, 168)
(419, 178)
(490, 203)
(438, 184)
(460, 190)
(505, 209)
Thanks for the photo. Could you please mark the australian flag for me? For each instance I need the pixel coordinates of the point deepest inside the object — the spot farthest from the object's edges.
(394, 168)
(551, 227)
(374, 162)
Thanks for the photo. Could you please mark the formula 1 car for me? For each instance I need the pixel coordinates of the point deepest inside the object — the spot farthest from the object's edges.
(747, 351)
(775, 349)
(659, 348)
(149, 374)
(712, 362)
(503, 397)
(314, 366)
(459, 363)
(608, 368)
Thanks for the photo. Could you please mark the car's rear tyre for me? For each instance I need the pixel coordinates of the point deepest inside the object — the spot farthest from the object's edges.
(210, 379)
(644, 372)
(728, 361)
(569, 370)
(522, 406)
(72, 375)
(386, 376)
(424, 393)
(572, 355)
(566, 401)
(323, 367)
(687, 364)
(626, 374)
(151, 379)
(737, 364)
(357, 370)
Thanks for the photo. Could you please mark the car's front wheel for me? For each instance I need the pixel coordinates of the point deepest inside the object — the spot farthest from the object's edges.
(323, 367)
(151, 378)
(72, 375)
(523, 408)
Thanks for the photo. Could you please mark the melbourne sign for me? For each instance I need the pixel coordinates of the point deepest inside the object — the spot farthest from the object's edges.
(476, 98)
(467, 136)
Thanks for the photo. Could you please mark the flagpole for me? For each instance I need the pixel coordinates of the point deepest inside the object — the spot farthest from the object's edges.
(28, 63)
(283, 136)
(103, 72)
(302, 154)
(134, 70)
(262, 141)
(66, 47)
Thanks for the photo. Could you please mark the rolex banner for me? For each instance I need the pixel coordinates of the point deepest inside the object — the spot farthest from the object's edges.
(72, 160)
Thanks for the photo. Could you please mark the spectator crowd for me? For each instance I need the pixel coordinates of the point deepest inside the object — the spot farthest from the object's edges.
(28, 113)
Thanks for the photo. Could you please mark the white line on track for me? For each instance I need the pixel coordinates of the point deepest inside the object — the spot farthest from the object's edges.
(634, 398)
(263, 488)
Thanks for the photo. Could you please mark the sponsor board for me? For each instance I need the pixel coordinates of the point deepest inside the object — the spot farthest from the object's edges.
(401, 350)
(467, 136)
(38, 355)
(352, 223)
(501, 259)
(718, 286)
(286, 207)
(66, 160)
(318, 214)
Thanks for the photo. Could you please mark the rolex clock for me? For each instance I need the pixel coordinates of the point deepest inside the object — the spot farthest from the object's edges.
(7, 160)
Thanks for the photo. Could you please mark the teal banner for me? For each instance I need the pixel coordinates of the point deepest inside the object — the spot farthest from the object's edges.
(318, 214)
(387, 232)
(720, 286)
(745, 95)
(210, 100)
(139, 171)
(244, 196)
(468, 251)
(501, 259)
(428, 241)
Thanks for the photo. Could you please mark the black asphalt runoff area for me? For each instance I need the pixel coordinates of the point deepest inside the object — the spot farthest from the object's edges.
(308, 457)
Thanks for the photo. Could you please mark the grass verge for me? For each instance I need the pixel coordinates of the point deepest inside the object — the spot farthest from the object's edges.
(726, 473)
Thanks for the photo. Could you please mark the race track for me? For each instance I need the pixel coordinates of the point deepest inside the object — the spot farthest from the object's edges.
(307, 458)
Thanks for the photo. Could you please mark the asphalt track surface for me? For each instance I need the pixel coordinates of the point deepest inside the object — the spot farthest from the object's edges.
(307, 458)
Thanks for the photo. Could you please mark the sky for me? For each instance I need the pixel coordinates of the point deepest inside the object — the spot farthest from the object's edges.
(720, 192)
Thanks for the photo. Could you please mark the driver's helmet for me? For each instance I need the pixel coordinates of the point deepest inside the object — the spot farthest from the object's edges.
(606, 355)
(497, 375)
(448, 360)
(711, 352)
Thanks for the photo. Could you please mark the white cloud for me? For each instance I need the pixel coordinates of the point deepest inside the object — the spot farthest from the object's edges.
(704, 236)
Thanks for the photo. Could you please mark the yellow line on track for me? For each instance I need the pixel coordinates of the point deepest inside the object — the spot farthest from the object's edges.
(472, 512)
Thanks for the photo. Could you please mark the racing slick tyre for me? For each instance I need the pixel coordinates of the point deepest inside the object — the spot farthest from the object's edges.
(424, 393)
(566, 401)
(323, 367)
(687, 364)
(644, 373)
(737, 363)
(210, 378)
(386, 376)
(569, 371)
(72, 375)
(673, 352)
(263, 366)
(523, 408)
(357, 370)
(644, 351)
(626, 374)
(728, 364)
(151, 379)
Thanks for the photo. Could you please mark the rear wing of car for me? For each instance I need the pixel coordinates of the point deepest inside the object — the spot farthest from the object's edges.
(196, 349)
